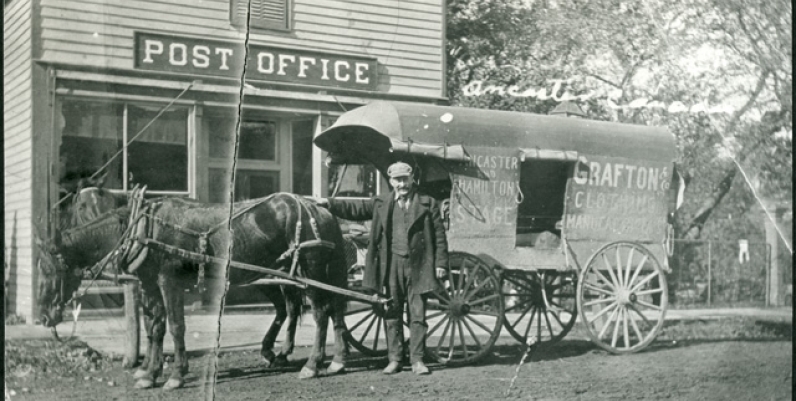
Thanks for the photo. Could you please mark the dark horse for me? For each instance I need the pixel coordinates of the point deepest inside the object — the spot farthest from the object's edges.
(263, 230)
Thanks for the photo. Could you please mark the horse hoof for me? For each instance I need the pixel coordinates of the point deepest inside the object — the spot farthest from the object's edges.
(307, 373)
(335, 368)
(171, 384)
(280, 361)
(268, 358)
(144, 383)
(140, 374)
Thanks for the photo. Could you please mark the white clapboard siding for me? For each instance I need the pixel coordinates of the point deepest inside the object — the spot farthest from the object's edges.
(17, 161)
(405, 36)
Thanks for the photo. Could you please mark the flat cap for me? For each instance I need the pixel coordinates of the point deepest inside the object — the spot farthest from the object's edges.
(399, 169)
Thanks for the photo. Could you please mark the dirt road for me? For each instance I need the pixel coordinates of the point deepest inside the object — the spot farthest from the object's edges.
(707, 369)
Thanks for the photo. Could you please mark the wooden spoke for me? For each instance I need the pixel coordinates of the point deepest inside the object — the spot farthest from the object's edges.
(483, 312)
(484, 299)
(359, 323)
(611, 273)
(530, 322)
(619, 272)
(472, 333)
(629, 266)
(443, 320)
(600, 301)
(638, 312)
(644, 281)
(549, 326)
(435, 314)
(650, 292)
(616, 326)
(625, 327)
(608, 322)
(461, 337)
(452, 341)
(367, 330)
(649, 305)
(605, 310)
(444, 333)
(598, 289)
(479, 324)
(604, 279)
(530, 306)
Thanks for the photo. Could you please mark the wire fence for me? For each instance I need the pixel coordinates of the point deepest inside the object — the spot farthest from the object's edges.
(721, 273)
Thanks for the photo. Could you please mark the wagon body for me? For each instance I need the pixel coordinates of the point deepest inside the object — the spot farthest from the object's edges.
(550, 220)
(521, 185)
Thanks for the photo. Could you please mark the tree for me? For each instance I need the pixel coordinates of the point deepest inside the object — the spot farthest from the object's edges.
(734, 53)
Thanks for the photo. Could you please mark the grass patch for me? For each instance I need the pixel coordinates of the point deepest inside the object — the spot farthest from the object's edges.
(730, 328)
(38, 356)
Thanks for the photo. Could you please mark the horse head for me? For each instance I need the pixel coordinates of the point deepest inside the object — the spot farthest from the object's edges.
(91, 225)
(57, 282)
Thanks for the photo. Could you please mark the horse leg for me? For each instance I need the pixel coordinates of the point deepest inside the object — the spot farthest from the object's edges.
(292, 298)
(320, 310)
(277, 299)
(154, 307)
(141, 371)
(340, 346)
(174, 298)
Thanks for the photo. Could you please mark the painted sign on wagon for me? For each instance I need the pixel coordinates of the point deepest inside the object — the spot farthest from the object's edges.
(484, 200)
(617, 199)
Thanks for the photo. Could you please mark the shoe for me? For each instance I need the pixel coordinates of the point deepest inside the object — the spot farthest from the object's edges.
(392, 368)
(420, 369)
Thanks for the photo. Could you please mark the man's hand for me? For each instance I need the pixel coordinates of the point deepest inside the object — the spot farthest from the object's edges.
(441, 272)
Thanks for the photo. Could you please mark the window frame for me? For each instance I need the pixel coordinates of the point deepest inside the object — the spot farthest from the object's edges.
(190, 190)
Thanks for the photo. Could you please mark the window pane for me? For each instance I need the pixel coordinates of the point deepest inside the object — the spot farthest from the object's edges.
(91, 135)
(257, 140)
(354, 180)
(220, 128)
(158, 158)
(302, 157)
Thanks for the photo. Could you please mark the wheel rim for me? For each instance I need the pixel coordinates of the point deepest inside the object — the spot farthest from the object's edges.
(365, 328)
(540, 306)
(622, 297)
(464, 318)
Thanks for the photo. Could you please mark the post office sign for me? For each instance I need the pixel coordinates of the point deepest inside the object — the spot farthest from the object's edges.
(195, 56)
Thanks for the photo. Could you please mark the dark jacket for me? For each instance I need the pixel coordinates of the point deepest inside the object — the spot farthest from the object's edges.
(428, 247)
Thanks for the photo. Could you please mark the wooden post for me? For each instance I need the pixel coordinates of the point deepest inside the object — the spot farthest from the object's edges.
(132, 320)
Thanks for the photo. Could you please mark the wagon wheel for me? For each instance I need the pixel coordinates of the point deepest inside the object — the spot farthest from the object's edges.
(622, 297)
(366, 328)
(464, 318)
(540, 305)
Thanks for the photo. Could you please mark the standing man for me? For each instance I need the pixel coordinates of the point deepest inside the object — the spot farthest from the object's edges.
(407, 247)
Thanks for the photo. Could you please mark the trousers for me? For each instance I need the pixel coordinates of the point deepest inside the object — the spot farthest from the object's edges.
(402, 295)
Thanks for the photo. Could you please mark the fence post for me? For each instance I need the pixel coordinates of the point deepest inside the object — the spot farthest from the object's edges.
(132, 320)
(710, 274)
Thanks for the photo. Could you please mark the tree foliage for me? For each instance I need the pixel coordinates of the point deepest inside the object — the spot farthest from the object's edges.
(734, 53)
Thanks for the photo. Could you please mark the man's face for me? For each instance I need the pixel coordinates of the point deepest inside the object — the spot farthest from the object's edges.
(402, 185)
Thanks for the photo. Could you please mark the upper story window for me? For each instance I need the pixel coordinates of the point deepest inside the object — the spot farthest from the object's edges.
(265, 14)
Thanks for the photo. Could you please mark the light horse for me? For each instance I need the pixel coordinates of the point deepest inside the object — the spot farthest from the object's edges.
(264, 231)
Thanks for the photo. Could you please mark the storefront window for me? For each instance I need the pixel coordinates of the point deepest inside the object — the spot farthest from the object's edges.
(302, 156)
(93, 135)
(352, 180)
(159, 157)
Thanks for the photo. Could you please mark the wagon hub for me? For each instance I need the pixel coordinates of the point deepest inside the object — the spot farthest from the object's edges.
(459, 308)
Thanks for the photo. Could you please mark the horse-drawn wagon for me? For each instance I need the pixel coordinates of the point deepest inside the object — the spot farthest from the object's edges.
(548, 219)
